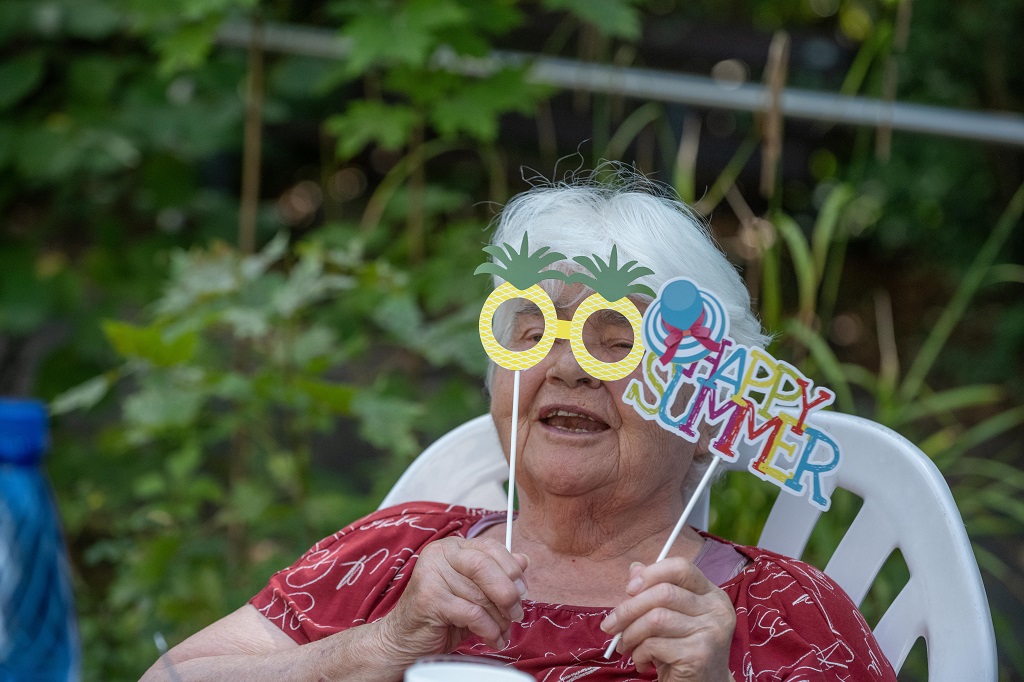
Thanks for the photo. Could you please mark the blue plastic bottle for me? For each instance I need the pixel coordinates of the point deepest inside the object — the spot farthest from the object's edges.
(38, 630)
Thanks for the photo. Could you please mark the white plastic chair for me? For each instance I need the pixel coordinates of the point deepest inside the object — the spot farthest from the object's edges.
(907, 505)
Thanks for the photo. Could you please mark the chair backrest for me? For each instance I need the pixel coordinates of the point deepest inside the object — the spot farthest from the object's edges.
(906, 505)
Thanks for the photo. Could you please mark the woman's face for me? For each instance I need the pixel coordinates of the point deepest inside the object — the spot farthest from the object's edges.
(576, 436)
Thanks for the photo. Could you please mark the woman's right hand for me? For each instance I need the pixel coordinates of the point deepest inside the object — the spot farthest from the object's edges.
(458, 587)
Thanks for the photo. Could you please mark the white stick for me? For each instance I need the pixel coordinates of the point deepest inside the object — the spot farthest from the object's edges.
(715, 461)
(161, 646)
(512, 461)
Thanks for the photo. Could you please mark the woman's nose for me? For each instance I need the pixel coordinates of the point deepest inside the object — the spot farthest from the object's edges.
(565, 369)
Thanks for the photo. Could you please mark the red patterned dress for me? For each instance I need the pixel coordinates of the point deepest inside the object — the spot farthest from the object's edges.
(792, 622)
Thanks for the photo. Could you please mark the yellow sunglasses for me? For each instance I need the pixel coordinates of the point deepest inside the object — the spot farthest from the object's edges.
(523, 270)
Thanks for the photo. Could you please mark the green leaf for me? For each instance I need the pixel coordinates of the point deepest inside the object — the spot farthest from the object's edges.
(803, 264)
(199, 276)
(185, 462)
(474, 109)
(159, 406)
(93, 79)
(149, 485)
(366, 122)
(400, 315)
(982, 432)
(253, 267)
(83, 396)
(149, 343)
(614, 18)
(314, 346)
(990, 469)
(247, 322)
(306, 284)
(828, 362)
(248, 501)
(188, 46)
(387, 421)
(424, 88)
(20, 76)
(453, 340)
(46, 153)
(825, 226)
(338, 397)
(951, 400)
(492, 17)
(301, 78)
(91, 20)
(403, 34)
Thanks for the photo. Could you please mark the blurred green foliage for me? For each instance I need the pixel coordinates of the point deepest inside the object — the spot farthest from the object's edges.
(219, 383)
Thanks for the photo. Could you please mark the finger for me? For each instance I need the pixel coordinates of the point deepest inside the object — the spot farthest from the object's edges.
(692, 659)
(661, 595)
(514, 565)
(675, 570)
(477, 619)
(495, 573)
(462, 588)
(664, 623)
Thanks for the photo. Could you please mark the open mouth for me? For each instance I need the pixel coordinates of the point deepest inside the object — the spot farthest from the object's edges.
(572, 421)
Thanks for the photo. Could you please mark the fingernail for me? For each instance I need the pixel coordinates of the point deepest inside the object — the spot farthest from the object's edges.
(608, 623)
(634, 585)
(527, 557)
(521, 586)
(502, 643)
(635, 565)
(517, 613)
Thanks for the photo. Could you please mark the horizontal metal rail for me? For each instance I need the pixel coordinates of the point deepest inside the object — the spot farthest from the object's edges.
(666, 86)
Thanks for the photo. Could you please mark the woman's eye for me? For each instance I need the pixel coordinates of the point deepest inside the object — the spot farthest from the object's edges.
(531, 337)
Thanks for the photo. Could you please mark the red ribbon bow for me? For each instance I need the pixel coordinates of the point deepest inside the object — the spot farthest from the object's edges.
(676, 336)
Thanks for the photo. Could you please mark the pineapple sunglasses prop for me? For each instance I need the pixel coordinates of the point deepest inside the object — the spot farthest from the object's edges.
(523, 271)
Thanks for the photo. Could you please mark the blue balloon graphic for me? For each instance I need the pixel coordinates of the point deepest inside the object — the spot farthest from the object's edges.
(681, 304)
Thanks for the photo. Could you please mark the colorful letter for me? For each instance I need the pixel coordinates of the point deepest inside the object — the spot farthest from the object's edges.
(815, 470)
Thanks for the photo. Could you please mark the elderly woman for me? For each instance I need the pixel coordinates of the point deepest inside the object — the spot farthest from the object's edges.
(600, 489)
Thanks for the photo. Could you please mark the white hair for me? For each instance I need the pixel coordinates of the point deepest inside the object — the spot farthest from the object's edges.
(586, 215)
(583, 216)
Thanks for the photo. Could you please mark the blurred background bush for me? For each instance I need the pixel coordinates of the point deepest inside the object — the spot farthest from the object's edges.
(239, 267)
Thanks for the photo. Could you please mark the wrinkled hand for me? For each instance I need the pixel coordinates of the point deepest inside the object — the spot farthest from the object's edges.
(457, 587)
(676, 620)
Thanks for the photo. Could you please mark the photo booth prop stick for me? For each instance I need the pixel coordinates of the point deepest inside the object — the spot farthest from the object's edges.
(747, 391)
(523, 271)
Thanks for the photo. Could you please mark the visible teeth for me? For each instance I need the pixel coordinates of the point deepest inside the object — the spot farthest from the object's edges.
(566, 413)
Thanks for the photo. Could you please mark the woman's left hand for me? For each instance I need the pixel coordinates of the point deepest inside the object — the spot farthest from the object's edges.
(676, 620)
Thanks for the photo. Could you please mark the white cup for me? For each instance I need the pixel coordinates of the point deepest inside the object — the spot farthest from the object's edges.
(462, 669)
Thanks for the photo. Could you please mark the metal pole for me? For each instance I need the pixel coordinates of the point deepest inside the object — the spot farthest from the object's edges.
(666, 86)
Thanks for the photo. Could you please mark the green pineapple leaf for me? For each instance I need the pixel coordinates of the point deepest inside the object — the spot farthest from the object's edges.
(610, 280)
(521, 268)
